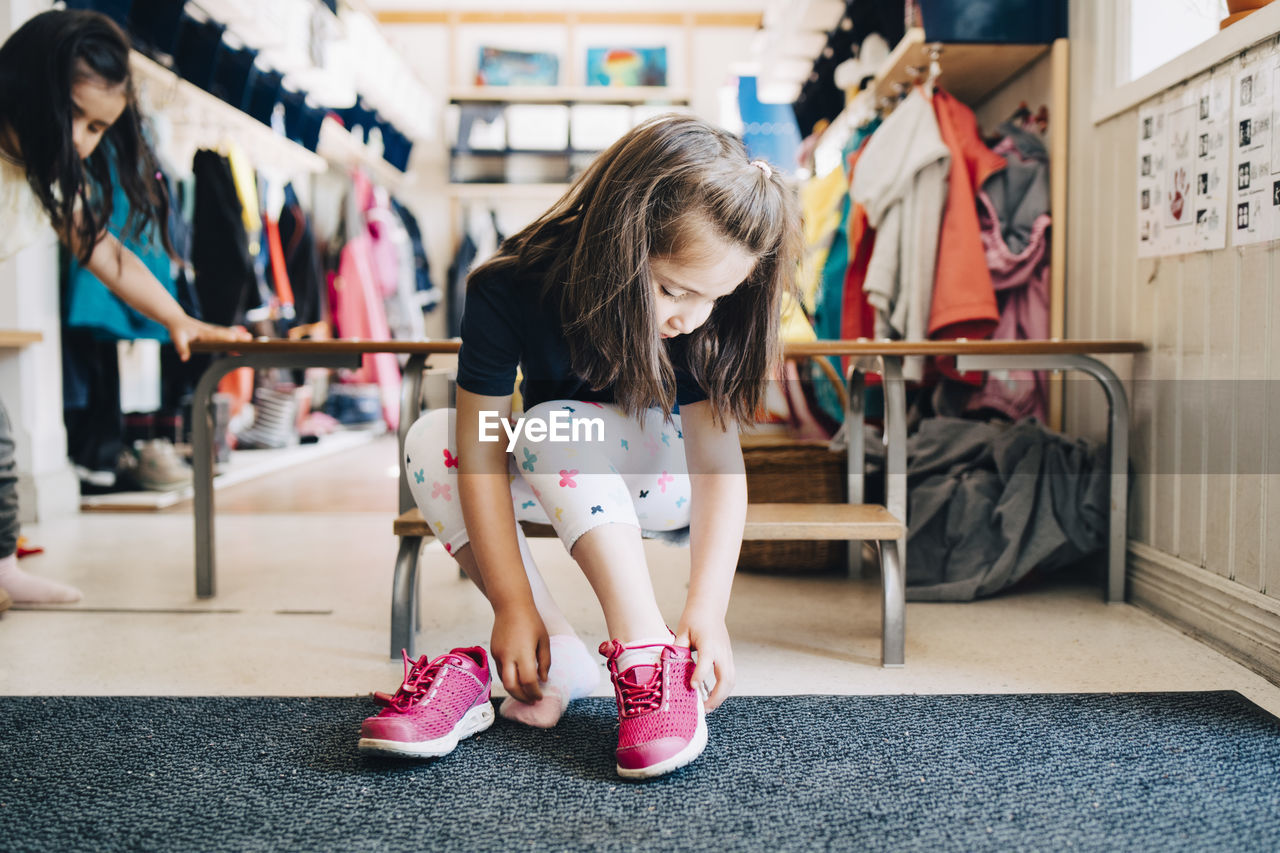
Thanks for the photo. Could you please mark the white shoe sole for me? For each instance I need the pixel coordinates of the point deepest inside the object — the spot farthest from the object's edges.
(680, 759)
(476, 720)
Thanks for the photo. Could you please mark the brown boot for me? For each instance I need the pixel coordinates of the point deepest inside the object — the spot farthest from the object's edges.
(5, 600)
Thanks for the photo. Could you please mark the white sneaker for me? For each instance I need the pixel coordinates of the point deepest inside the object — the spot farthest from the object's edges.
(160, 468)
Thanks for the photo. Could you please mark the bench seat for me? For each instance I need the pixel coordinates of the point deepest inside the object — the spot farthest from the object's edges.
(778, 521)
(865, 522)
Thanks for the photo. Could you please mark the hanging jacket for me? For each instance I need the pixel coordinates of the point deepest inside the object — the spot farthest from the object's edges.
(857, 317)
(964, 302)
(902, 183)
(429, 294)
(1020, 193)
(820, 206)
(358, 310)
(224, 275)
(1022, 284)
(302, 260)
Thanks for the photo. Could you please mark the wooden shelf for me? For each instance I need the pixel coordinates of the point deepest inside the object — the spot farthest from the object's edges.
(214, 119)
(502, 191)
(970, 72)
(633, 95)
(15, 339)
(211, 117)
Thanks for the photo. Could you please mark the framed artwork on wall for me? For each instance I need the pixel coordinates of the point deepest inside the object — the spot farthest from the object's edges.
(626, 66)
(500, 67)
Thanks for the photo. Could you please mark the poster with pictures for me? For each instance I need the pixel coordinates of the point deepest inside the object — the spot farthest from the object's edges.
(1255, 201)
(1212, 162)
(1183, 159)
(1178, 190)
(1150, 173)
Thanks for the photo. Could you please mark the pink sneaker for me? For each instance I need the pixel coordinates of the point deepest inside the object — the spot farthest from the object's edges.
(662, 724)
(440, 702)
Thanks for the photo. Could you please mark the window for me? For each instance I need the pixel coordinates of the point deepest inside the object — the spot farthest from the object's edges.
(1161, 30)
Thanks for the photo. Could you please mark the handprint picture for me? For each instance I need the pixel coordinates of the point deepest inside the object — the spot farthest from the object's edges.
(1178, 198)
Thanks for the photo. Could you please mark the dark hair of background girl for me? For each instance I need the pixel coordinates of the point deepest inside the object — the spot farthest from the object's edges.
(649, 195)
(39, 64)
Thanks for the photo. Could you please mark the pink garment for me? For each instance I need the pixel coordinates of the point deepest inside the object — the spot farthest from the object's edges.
(358, 313)
(384, 254)
(1022, 289)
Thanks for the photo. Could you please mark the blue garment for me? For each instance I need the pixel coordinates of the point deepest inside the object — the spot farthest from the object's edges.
(90, 305)
(830, 303)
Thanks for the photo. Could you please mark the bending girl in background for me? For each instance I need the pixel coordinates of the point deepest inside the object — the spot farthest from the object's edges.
(64, 88)
(654, 284)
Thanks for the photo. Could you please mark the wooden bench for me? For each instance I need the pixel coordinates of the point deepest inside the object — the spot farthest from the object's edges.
(766, 521)
(849, 522)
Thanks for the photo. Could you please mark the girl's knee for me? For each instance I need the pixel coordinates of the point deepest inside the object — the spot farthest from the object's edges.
(428, 435)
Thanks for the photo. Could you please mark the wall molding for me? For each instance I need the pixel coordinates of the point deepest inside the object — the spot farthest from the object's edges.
(1237, 621)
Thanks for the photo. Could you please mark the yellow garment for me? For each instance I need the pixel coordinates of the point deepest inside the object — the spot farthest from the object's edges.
(820, 201)
(246, 186)
(795, 326)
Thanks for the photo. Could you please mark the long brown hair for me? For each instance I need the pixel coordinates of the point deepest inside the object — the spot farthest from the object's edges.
(39, 65)
(645, 197)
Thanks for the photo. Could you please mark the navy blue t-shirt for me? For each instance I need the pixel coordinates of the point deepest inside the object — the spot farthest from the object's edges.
(506, 322)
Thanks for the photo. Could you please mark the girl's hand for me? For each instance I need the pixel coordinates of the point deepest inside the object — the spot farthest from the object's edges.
(708, 636)
(523, 651)
(188, 329)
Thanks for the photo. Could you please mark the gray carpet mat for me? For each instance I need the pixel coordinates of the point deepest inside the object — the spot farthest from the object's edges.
(1135, 771)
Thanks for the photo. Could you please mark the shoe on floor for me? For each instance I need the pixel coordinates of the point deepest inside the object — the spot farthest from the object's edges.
(160, 468)
(6, 600)
(440, 702)
(662, 724)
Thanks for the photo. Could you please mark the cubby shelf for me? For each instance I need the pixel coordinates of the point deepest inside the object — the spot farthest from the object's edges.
(970, 72)
(633, 95)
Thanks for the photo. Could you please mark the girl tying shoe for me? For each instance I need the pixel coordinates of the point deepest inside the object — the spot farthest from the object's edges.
(643, 311)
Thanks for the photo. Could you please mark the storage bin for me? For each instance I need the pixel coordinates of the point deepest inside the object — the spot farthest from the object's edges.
(994, 21)
(784, 470)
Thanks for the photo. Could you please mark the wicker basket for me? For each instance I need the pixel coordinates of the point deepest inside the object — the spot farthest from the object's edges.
(783, 470)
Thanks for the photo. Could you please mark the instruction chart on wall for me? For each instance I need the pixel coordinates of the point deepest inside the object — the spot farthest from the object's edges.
(1184, 157)
(1255, 202)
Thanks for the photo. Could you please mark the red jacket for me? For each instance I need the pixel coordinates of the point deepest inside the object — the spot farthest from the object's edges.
(964, 300)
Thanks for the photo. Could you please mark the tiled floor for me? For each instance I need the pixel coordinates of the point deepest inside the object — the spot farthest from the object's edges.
(305, 563)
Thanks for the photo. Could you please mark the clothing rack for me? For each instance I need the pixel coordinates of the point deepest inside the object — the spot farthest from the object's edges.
(975, 74)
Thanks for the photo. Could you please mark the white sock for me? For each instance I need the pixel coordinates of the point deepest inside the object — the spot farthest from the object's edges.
(649, 651)
(574, 673)
(29, 589)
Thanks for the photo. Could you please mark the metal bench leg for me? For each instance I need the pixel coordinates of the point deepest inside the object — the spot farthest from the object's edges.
(893, 613)
(404, 597)
(855, 462)
(410, 409)
(895, 439)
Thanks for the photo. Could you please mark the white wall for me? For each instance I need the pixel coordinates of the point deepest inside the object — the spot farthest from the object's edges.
(1205, 507)
(31, 378)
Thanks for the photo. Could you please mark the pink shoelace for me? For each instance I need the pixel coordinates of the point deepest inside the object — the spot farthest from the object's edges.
(417, 680)
(637, 698)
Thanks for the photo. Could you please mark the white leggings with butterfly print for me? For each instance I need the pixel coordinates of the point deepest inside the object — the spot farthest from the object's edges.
(634, 474)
